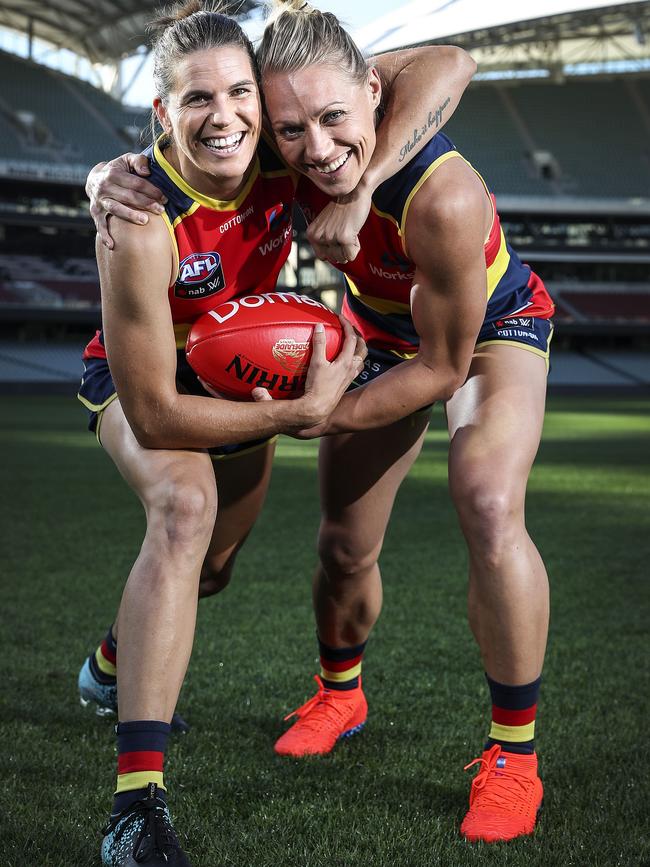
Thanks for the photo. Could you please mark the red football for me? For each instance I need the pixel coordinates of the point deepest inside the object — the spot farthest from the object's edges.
(260, 340)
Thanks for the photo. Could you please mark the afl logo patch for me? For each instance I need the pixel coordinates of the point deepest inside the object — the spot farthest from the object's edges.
(200, 275)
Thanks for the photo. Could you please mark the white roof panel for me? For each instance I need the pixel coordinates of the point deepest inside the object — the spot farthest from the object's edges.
(428, 20)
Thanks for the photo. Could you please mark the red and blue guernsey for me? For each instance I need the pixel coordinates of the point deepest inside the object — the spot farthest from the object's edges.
(224, 248)
(379, 280)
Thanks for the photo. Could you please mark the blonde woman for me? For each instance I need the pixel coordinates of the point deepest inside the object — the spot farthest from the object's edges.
(449, 314)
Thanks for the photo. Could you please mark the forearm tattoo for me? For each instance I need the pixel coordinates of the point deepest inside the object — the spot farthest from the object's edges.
(434, 119)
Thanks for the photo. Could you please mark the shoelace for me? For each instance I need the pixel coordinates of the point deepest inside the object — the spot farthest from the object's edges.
(318, 716)
(156, 836)
(500, 792)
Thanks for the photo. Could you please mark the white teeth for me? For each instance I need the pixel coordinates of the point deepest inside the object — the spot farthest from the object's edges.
(333, 166)
(229, 142)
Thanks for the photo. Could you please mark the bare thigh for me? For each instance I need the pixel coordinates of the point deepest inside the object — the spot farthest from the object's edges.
(360, 475)
(495, 419)
(242, 483)
(152, 473)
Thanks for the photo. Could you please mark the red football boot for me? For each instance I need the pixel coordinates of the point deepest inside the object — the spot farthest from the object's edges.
(505, 798)
(326, 718)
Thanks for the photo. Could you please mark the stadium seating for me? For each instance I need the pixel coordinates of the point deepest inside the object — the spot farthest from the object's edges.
(485, 133)
(593, 130)
(609, 306)
(36, 281)
(589, 128)
(45, 363)
(64, 120)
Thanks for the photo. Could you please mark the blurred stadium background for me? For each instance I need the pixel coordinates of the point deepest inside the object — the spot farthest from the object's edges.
(557, 119)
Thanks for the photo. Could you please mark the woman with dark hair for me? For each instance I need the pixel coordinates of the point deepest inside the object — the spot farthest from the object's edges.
(219, 176)
(151, 414)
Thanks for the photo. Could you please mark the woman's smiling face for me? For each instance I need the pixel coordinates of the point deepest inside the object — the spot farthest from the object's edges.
(324, 123)
(213, 115)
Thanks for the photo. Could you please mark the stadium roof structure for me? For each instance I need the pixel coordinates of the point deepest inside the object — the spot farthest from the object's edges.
(104, 31)
(508, 34)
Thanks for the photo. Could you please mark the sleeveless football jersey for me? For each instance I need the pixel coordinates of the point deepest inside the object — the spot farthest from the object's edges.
(224, 248)
(379, 280)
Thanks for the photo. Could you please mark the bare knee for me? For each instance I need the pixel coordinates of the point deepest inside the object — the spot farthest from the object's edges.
(490, 515)
(343, 554)
(181, 513)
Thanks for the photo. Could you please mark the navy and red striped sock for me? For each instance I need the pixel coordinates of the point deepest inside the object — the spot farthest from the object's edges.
(141, 746)
(340, 667)
(103, 662)
(513, 715)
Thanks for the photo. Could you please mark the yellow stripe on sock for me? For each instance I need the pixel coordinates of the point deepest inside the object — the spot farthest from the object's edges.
(514, 734)
(138, 780)
(104, 665)
(341, 676)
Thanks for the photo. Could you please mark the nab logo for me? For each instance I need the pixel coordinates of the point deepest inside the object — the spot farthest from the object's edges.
(519, 321)
(200, 275)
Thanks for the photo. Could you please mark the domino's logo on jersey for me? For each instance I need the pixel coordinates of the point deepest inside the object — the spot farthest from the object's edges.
(200, 275)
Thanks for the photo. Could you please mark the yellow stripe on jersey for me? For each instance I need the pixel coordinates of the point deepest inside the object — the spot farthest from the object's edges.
(386, 216)
(181, 330)
(512, 734)
(405, 356)
(172, 235)
(181, 217)
(498, 267)
(427, 174)
(381, 305)
(139, 780)
(213, 204)
(340, 676)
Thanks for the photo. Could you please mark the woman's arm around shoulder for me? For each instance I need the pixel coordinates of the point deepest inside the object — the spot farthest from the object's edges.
(446, 227)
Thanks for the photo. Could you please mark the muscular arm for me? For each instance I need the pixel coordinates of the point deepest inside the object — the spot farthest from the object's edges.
(141, 350)
(445, 231)
(422, 88)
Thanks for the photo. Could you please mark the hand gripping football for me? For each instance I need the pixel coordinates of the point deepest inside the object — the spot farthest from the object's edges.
(260, 340)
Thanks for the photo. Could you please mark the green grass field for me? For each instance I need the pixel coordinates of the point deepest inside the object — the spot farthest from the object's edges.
(394, 795)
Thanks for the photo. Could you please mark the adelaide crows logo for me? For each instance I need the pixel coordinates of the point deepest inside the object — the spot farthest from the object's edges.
(291, 354)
